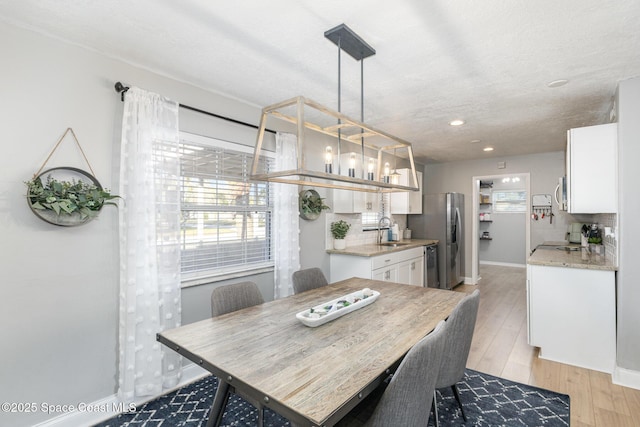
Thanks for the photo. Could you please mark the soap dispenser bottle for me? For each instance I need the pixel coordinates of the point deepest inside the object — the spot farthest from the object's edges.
(395, 232)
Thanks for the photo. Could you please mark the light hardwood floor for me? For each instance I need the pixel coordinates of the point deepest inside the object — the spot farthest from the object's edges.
(500, 348)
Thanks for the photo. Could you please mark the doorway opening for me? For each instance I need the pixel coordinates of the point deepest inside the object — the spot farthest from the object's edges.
(500, 226)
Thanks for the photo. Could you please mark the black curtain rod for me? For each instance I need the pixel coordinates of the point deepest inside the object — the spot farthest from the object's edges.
(122, 89)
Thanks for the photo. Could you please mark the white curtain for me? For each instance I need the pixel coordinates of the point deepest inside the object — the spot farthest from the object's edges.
(285, 219)
(149, 244)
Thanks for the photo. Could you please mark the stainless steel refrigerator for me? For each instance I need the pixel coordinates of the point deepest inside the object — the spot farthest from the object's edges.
(443, 219)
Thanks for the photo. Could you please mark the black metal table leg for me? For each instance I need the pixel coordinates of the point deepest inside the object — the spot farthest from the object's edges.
(219, 403)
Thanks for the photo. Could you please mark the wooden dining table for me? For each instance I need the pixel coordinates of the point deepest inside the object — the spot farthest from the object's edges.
(313, 376)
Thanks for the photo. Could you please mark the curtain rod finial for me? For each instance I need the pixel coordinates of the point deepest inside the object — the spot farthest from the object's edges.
(121, 89)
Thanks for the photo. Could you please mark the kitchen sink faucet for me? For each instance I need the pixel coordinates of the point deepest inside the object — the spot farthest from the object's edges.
(379, 226)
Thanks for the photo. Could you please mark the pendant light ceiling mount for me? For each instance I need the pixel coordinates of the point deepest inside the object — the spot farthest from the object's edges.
(350, 42)
(370, 143)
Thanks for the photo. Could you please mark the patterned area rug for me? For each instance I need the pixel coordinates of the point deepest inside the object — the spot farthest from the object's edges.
(488, 401)
(493, 401)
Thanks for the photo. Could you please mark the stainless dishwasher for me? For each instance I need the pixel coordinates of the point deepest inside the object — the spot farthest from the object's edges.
(431, 267)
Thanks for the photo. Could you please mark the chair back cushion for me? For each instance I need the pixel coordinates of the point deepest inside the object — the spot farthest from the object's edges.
(228, 298)
(407, 399)
(458, 329)
(307, 279)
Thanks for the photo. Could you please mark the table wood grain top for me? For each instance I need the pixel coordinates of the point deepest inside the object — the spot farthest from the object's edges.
(266, 353)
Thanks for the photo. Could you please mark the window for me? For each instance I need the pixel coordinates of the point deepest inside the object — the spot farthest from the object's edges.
(509, 200)
(370, 219)
(226, 219)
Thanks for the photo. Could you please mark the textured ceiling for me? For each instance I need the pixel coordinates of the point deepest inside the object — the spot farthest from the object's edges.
(486, 62)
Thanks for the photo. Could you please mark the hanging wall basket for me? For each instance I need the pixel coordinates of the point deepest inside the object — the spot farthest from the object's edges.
(66, 196)
(310, 205)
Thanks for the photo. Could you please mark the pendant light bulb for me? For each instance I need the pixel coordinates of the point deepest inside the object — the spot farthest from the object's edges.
(352, 165)
(328, 159)
(370, 167)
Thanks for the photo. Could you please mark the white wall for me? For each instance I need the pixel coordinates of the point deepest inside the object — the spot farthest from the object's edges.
(508, 244)
(507, 229)
(628, 284)
(59, 303)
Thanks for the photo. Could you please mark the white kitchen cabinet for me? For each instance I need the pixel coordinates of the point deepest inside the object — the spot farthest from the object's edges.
(348, 201)
(405, 266)
(592, 169)
(571, 315)
(412, 271)
(386, 274)
(407, 202)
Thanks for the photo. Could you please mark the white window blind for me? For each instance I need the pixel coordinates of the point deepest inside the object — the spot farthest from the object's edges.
(226, 219)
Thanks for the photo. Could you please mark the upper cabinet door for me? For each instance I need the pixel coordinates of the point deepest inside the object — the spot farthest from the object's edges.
(350, 201)
(592, 169)
(407, 202)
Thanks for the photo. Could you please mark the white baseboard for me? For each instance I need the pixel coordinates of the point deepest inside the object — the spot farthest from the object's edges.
(468, 281)
(626, 377)
(503, 264)
(108, 407)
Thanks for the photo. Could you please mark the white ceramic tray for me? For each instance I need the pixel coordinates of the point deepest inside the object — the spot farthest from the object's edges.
(331, 310)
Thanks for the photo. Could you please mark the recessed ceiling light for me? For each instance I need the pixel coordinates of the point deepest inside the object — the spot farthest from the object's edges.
(475, 141)
(487, 149)
(558, 83)
(456, 122)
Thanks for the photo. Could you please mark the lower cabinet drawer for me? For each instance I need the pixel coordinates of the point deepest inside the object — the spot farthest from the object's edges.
(384, 260)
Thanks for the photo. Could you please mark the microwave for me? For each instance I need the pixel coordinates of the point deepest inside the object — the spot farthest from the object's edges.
(561, 194)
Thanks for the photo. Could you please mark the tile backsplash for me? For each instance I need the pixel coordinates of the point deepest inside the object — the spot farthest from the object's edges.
(609, 222)
(606, 222)
(356, 235)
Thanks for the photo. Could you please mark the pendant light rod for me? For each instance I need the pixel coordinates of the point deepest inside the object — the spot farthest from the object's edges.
(362, 91)
(346, 39)
(339, 44)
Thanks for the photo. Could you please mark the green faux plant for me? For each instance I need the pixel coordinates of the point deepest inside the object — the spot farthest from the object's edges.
(312, 203)
(339, 229)
(67, 198)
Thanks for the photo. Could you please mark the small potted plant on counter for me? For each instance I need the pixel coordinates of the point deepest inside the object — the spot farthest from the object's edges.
(339, 231)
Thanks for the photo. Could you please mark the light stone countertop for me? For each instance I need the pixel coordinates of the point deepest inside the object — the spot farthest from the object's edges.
(375, 249)
(571, 259)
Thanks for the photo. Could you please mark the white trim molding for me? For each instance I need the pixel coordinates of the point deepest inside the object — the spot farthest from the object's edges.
(626, 377)
(108, 407)
(503, 264)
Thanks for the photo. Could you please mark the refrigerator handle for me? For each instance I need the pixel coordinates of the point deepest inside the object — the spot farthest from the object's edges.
(458, 229)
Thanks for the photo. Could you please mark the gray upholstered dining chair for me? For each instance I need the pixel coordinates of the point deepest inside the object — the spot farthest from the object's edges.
(403, 401)
(226, 299)
(458, 330)
(307, 279)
